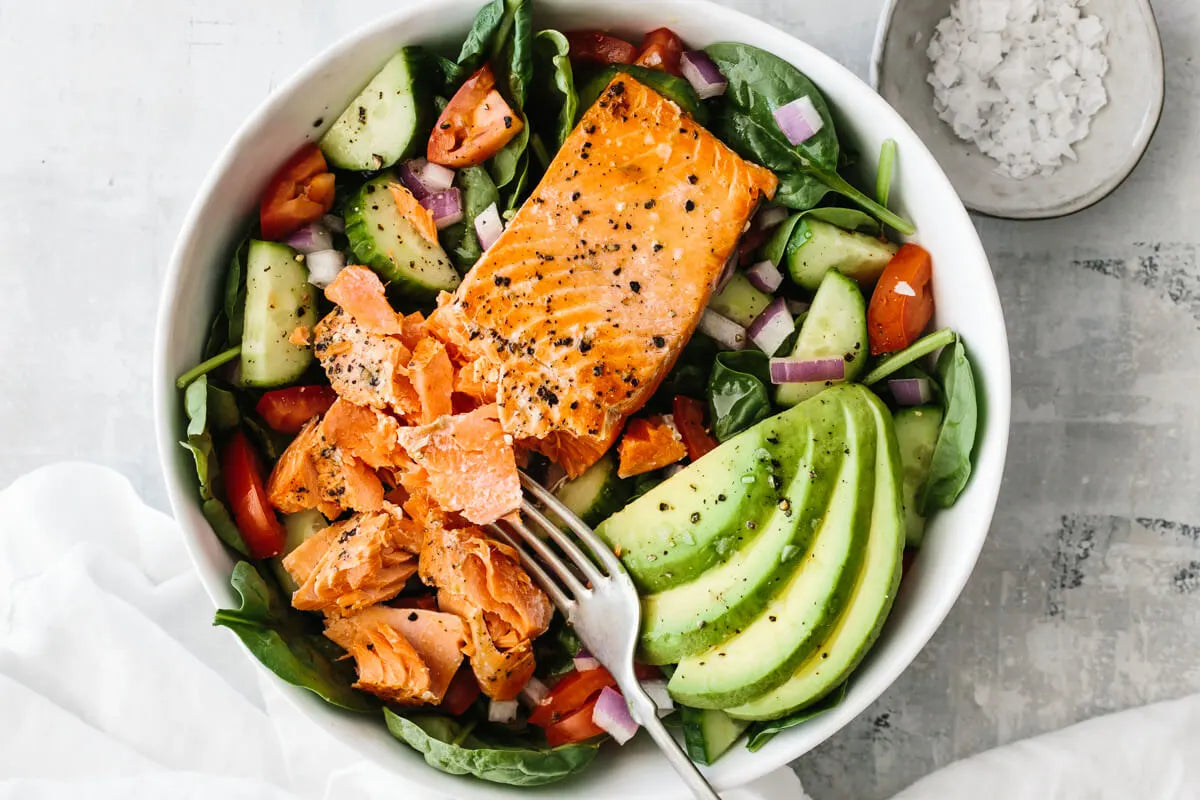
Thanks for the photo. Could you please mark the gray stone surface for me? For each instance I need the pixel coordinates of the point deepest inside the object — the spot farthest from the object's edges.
(1087, 596)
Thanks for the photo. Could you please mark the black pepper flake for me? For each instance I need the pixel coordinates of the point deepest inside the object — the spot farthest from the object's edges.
(362, 115)
(648, 204)
(636, 287)
(565, 341)
(445, 126)
(660, 341)
(508, 121)
(695, 517)
(545, 394)
(689, 206)
(597, 370)
(575, 195)
(585, 346)
(617, 271)
(663, 507)
(657, 247)
(692, 179)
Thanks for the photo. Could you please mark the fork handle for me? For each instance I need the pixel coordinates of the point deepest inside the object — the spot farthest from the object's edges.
(645, 713)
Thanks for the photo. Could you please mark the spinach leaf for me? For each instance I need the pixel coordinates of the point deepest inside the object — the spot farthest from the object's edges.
(555, 103)
(514, 193)
(672, 87)
(204, 404)
(645, 482)
(460, 239)
(483, 40)
(513, 66)
(951, 465)
(286, 642)
(883, 176)
(208, 365)
(738, 392)
(690, 374)
(235, 292)
(759, 83)
(760, 733)
(556, 649)
(453, 746)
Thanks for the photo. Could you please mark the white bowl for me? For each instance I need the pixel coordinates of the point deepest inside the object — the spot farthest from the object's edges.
(965, 295)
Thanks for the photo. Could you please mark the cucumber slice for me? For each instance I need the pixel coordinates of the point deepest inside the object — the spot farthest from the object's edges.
(278, 299)
(816, 247)
(596, 494)
(740, 301)
(836, 326)
(707, 732)
(390, 244)
(300, 527)
(917, 433)
(389, 119)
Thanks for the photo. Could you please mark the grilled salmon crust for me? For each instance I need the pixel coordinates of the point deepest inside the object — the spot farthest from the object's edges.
(580, 308)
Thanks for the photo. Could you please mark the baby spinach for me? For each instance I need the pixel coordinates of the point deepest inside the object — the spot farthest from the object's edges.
(951, 465)
(460, 239)
(459, 748)
(674, 88)
(759, 733)
(554, 88)
(209, 406)
(483, 41)
(739, 392)
(759, 83)
(235, 291)
(287, 642)
(689, 376)
(556, 649)
(883, 176)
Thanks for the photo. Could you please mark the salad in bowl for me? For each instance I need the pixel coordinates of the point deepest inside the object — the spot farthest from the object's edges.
(630, 266)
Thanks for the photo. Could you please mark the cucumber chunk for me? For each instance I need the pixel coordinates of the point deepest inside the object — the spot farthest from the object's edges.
(836, 326)
(596, 494)
(279, 298)
(816, 247)
(740, 301)
(917, 433)
(389, 119)
(299, 527)
(707, 732)
(387, 242)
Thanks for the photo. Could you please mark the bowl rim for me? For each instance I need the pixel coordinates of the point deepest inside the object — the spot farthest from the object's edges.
(998, 393)
(1140, 145)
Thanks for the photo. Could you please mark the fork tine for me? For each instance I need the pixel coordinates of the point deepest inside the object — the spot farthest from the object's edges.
(547, 557)
(604, 555)
(572, 551)
(548, 584)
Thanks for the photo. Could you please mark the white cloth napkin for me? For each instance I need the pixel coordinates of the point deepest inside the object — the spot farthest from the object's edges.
(114, 684)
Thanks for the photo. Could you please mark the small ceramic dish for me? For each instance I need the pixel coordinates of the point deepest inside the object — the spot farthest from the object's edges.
(1120, 132)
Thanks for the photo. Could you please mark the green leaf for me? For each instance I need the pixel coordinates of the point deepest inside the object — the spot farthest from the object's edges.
(951, 465)
(480, 44)
(283, 640)
(555, 106)
(760, 733)
(556, 649)
(927, 344)
(223, 526)
(689, 376)
(208, 365)
(235, 292)
(887, 166)
(452, 746)
(203, 404)
(460, 239)
(739, 392)
(672, 87)
(645, 482)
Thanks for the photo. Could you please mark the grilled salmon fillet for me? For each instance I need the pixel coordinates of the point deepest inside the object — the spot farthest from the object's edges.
(580, 308)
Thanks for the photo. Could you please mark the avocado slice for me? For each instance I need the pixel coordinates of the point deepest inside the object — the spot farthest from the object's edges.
(818, 587)
(690, 618)
(859, 625)
(697, 518)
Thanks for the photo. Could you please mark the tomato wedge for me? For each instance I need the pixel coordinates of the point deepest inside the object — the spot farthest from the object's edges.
(475, 125)
(595, 47)
(661, 49)
(286, 410)
(646, 672)
(461, 693)
(574, 727)
(243, 470)
(300, 193)
(902, 303)
(689, 419)
(569, 695)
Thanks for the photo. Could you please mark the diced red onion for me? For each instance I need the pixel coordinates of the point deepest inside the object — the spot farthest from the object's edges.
(799, 120)
(334, 223)
(911, 391)
(657, 690)
(726, 272)
(446, 207)
(704, 76)
(585, 661)
(534, 692)
(765, 276)
(727, 333)
(797, 307)
(772, 327)
(750, 243)
(323, 266)
(423, 178)
(611, 714)
(770, 216)
(799, 370)
(488, 226)
(309, 239)
(502, 711)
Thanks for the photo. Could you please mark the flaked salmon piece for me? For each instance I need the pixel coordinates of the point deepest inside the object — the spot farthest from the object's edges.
(365, 433)
(488, 575)
(366, 368)
(406, 656)
(313, 473)
(432, 376)
(470, 464)
(501, 671)
(413, 330)
(351, 564)
(361, 294)
(583, 304)
(649, 443)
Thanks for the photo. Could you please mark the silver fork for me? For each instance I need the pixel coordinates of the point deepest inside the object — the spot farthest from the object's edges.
(603, 609)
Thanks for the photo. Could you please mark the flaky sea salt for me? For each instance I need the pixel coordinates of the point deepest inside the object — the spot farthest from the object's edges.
(1021, 79)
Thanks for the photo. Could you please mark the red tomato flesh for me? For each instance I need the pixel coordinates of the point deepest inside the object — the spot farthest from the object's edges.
(475, 125)
(301, 192)
(574, 728)
(286, 410)
(689, 419)
(661, 49)
(243, 472)
(902, 303)
(461, 693)
(569, 695)
(594, 47)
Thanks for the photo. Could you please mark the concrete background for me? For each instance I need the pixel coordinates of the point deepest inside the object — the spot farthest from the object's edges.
(1087, 596)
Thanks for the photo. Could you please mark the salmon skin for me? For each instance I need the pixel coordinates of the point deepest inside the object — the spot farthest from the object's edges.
(581, 307)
